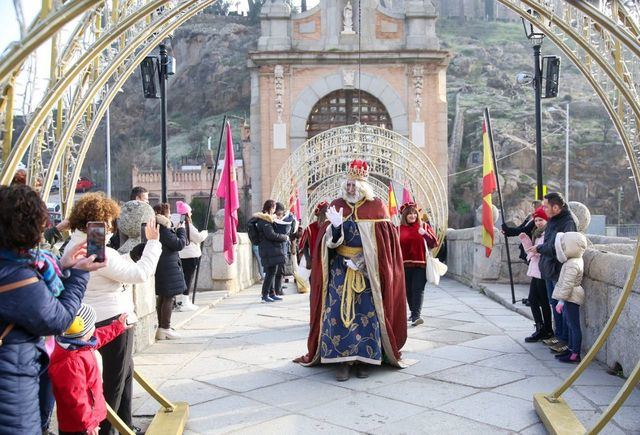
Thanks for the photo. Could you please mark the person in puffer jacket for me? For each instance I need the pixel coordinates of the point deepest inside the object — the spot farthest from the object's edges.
(568, 291)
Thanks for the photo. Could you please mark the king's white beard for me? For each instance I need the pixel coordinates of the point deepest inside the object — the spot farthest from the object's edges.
(363, 191)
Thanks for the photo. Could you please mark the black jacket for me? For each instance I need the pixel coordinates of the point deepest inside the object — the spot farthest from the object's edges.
(526, 227)
(549, 264)
(271, 245)
(169, 276)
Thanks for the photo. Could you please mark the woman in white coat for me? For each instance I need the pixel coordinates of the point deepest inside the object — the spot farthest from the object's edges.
(108, 295)
(190, 255)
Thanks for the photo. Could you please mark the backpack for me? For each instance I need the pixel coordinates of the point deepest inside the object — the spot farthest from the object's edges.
(252, 231)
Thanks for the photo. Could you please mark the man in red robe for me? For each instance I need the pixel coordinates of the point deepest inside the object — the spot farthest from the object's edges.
(358, 304)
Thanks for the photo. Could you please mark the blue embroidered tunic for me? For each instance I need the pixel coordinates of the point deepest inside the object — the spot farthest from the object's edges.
(360, 341)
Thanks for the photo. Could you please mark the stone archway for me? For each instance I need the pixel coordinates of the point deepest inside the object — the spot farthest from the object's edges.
(369, 83)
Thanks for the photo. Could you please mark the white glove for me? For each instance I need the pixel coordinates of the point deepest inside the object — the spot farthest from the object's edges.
(351, 265)
(334, 216)
(421, 231)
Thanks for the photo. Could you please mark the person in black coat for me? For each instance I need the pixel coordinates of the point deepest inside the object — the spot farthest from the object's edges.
(560, 220)
(527, 226)
(169, 276)
(30, 309)
(271, 251)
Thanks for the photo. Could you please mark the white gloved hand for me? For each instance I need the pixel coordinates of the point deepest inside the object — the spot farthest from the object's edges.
(421, 231)
(334, 216)
(350, 264)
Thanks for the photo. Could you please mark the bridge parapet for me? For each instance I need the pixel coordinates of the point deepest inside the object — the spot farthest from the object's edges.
(605, 272)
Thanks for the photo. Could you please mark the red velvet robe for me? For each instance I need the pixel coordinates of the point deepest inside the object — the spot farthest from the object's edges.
(393, 321)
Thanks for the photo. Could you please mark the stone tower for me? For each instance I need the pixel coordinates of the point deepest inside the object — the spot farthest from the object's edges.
(331, 64)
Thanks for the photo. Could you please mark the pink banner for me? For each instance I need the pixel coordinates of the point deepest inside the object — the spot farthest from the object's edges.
(228, 190)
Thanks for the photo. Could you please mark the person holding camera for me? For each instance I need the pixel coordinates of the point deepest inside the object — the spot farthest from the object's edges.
(107, 293)
(169, 276)
(271, 251)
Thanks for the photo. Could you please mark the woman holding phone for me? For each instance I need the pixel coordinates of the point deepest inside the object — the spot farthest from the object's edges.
(108, 295)
(190, 255)
(169, 276)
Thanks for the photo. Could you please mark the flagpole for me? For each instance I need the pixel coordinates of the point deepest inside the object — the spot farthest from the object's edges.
(207, 216)
(495, 169)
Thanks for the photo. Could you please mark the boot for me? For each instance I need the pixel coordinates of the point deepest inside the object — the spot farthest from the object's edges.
(342, 372)
(536, 336)
(362, 371)
(167, 334)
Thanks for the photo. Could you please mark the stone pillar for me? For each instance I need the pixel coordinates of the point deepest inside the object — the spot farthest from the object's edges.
(144, 300)
(274, 22)
(238, 275)
(421, 25)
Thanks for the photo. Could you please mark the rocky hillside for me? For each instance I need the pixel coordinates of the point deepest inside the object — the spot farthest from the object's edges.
(487, 57)
(212, 79)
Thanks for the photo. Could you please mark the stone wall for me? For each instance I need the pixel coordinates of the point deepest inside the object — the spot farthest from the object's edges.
(604, 277)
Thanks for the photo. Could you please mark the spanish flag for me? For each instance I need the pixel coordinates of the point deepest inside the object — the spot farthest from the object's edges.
(488, 187)
(393, 204)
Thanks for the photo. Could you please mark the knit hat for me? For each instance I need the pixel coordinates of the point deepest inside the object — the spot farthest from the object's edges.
(539, 212)
(83, 322)
(182, 207)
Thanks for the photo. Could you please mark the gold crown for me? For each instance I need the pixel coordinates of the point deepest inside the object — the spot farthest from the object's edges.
(358, 170)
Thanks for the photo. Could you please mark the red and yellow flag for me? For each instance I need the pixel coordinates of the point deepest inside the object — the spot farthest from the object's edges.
(393, 204)
(488, 187)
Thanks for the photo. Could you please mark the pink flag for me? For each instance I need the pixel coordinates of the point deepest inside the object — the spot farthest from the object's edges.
(228, 189)
(294, 204)
(406, 195)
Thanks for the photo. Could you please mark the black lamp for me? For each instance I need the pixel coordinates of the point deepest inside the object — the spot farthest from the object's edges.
(533, 33)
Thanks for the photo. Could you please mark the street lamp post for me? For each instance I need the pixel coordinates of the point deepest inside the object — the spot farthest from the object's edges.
(162, 71)
(536, 37)
(165, 66)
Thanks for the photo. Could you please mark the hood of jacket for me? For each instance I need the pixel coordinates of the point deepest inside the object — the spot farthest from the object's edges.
(163, 220)
(264, 217)
(570, 245)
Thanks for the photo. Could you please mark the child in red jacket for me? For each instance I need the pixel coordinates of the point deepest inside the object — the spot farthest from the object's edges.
(75, 372)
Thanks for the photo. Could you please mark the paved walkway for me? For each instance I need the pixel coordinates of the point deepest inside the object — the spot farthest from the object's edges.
(473, 374)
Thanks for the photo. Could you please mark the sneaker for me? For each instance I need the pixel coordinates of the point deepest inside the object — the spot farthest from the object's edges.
(550, 341)
(167, 334)
(266, 299)
(188, 306)
(417, 322)
(558, 348)
(275, 298)
(572, 358)
(563, 354)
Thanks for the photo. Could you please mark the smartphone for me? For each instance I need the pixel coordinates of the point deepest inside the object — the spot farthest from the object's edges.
(183, 217)
(96, 235)
(143, 232)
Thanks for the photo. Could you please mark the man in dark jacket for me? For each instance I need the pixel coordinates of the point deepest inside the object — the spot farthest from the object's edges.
(272, 253)
(560, 221)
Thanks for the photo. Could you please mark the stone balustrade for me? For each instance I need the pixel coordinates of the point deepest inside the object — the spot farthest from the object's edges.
(604, 277)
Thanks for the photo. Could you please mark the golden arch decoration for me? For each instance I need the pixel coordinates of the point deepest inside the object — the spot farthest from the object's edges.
(103, 48)
(318, 166)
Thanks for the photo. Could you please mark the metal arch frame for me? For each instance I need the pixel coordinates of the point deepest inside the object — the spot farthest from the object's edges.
(555, 413)
(113, 90)
(319, 160)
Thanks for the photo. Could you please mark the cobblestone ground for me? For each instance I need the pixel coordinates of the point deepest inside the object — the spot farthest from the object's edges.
(472, 374)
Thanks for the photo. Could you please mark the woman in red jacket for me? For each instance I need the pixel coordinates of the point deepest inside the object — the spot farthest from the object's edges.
(413, 236)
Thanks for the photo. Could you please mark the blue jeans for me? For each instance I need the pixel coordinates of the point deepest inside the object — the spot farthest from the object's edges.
(560, 328)
(256, 253)
(572, 316)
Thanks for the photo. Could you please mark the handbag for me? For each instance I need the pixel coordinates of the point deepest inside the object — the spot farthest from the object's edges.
(9, 287)
(434, 268)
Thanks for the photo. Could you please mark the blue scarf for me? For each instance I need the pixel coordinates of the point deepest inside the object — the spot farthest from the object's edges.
(75, 343)
(42, 261)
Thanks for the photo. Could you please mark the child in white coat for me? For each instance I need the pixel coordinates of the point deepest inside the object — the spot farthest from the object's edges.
(568, 291)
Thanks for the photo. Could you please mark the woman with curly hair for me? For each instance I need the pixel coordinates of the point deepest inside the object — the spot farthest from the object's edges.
(110, 298)
(39, 296)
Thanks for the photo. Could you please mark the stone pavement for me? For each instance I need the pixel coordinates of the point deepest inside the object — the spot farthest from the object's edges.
(473, 374)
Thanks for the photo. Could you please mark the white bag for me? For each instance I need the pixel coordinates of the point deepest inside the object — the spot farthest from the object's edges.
(303, 272)
(435, 268)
